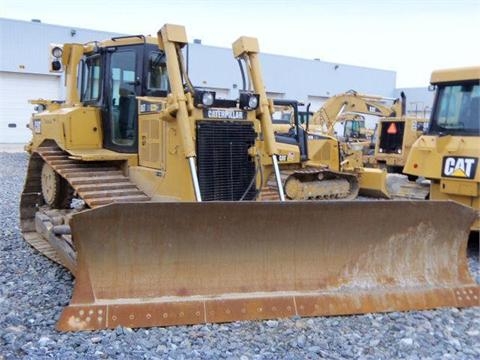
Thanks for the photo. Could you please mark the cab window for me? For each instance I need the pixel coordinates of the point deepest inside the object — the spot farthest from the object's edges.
(123, 97)
(91, 83)
(458, 107)
(157, 77)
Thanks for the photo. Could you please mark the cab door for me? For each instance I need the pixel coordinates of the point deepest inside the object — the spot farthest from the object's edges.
(122, 86)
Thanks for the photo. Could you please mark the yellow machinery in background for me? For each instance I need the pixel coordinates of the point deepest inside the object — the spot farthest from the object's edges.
(291, 125)
(173, 230)
(330, 113)
(394, 137)
(343, 111)
(449, 152)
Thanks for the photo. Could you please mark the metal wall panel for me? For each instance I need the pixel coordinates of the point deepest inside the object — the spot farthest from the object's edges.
(24, 45)
(15, 91)
(294, 78)
(24, 50)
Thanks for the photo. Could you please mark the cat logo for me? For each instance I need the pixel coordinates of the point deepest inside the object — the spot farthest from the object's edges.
(459, 167)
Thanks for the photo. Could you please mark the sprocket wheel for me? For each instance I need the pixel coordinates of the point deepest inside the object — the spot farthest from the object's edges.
(57, 192)
(50, 185)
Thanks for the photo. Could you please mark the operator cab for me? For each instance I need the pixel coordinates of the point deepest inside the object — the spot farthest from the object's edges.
(288, 113)
(456, 110)
(112, 77)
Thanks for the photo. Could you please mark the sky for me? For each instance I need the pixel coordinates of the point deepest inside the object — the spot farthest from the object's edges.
(411, 37)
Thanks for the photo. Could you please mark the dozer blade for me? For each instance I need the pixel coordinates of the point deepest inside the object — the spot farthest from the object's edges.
(148, 264)
(373, 183)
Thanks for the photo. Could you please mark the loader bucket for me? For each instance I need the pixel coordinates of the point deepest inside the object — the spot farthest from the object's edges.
(158, 264)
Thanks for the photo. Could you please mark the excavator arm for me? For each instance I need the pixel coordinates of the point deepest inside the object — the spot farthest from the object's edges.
(351, 101)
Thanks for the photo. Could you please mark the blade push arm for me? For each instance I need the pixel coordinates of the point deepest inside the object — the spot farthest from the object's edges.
(247, 48)
(171, 38)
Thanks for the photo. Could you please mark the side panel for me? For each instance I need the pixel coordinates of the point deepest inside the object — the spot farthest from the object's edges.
(163, 173)
(427, 155)
(324, 152)
(70, 128)
(83, 129)
(152, 141)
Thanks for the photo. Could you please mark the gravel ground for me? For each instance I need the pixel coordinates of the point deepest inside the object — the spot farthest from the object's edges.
(34, 290)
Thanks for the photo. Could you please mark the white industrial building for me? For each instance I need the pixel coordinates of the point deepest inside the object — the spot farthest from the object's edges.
(24, 74)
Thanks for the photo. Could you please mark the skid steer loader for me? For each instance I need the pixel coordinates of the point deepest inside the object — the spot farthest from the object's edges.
(147, 152)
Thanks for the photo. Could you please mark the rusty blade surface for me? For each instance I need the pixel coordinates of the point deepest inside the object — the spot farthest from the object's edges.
(147, 264)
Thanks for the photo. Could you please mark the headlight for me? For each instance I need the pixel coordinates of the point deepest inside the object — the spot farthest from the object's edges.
(39, 108)
(204, 98)
(56, 65)
(57, 52)
(399, 151)
(380, 150)
(208, 98)
(253, 102)
(37, 126)
(249, 101)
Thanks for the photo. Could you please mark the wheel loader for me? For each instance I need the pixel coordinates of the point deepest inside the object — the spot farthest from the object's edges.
(173, 230)
(449, 152)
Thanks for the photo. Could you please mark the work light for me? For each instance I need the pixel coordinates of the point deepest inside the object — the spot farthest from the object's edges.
(249, 101)
(57, 52)
(204, 98)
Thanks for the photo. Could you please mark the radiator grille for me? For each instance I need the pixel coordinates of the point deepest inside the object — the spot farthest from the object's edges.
(225, 169)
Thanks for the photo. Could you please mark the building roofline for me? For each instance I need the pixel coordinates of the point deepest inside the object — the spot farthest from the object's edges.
(34, 23)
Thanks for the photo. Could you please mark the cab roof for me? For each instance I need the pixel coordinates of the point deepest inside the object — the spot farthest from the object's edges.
(121, 41)
(455, 74)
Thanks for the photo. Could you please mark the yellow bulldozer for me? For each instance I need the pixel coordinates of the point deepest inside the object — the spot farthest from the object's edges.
(449, 152)
(173, 229)
(292, 126)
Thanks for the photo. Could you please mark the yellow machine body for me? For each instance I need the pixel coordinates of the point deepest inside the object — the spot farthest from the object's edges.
(72, 128)
(175, 229)
(448, 154)
(395, 137)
